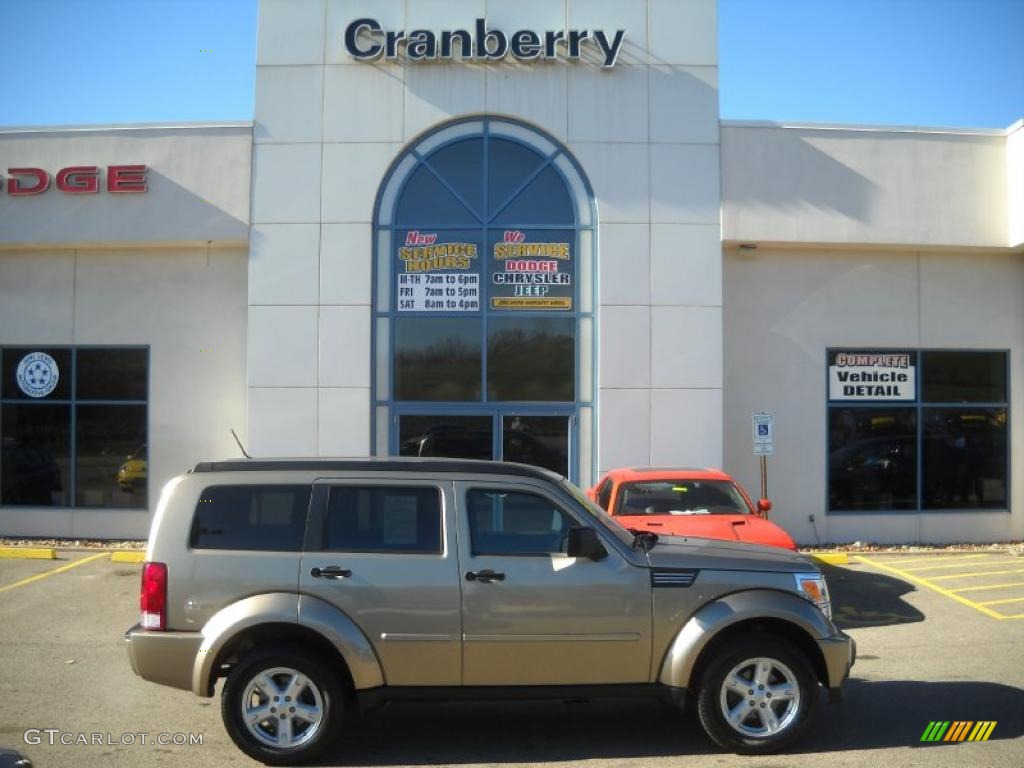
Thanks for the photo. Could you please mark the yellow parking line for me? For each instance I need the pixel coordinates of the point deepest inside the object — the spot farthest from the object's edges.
(55, 571)
(974, 574)
(1004, 600)
(933, 558)
(989, 586)
(958, 565)
(935, 587)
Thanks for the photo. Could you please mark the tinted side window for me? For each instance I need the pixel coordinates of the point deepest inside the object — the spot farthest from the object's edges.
(400, 520)
(604, 494)
(267, 517)
(507, 523)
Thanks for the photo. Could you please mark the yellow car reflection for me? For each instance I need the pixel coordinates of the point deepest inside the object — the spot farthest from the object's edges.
(131, 477)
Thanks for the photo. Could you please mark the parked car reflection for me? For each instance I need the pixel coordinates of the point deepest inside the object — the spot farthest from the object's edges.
(874, 473)
(131, 477)
(31, 475)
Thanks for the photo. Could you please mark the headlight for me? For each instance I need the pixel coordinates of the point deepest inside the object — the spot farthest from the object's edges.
(813, 587)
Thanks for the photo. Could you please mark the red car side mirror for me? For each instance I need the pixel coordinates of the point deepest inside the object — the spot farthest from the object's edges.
(764, 506)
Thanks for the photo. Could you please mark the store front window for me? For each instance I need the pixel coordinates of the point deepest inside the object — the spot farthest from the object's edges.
(484, 327)
(917, 430)
(73, 422)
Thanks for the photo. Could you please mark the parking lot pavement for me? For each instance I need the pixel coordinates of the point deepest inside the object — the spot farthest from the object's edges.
(923, 657)
(988, 582)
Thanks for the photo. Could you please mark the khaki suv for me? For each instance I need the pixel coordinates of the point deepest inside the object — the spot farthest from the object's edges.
(319, 587)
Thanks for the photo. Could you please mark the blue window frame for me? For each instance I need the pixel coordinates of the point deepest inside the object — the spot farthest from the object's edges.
(484, 240)
(930, 434)
(74, 426)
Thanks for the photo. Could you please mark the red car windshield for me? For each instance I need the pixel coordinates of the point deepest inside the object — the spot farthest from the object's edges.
(680, 497)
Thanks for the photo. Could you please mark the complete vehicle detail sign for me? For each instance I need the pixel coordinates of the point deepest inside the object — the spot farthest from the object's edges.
(871, 375)
(367, 40)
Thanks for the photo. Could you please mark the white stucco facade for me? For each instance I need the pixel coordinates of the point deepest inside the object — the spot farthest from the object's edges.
(857, 237)
(165, 270)
(729, 257)
(645, 133)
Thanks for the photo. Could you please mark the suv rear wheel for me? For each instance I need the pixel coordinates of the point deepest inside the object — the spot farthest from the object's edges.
(281, 707)
(757, 696)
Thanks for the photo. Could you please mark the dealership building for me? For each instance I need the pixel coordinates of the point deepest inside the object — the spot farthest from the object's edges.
(515, 229)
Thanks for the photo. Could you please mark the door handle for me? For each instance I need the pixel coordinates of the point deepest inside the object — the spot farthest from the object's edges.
(330, 572)
(486, 576)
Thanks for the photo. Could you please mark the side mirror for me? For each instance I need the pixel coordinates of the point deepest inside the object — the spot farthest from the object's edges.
(764, 506)
(584, 542)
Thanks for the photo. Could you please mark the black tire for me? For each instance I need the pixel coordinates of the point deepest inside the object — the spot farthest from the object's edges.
(753, 735)
(319, 688)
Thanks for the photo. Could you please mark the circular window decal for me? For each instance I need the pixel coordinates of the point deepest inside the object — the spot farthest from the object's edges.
(38, 374)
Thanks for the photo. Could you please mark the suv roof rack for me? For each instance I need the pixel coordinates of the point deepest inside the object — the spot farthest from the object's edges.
(395, 463)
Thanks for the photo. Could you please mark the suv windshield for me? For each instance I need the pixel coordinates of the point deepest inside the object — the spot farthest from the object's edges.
(680, 497)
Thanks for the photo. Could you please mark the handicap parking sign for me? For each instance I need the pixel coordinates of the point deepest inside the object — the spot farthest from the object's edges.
(764, 438)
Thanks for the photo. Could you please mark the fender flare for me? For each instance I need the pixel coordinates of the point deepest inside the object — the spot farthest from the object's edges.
(286, 608)
(709, 621)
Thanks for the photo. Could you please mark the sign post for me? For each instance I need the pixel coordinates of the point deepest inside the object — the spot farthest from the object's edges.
(764, 445)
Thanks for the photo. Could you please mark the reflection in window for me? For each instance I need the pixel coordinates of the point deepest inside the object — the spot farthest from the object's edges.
(542, 441)
(459, 165)
(383, 520)
(426, 201)
(467, 338)
(110, 457)
(531, 359)
(437, 359)
(960, 452)
(36, 458)
(251, 517)
(83, 451)
(453, 437)
(872, 458)
(111, 374)
(544, 201)
(964, 458)
(963, 377)
(510, 165)
(508, 523)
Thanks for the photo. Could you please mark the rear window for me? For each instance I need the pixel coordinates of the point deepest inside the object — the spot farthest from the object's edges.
(383, 519)
(266, 517)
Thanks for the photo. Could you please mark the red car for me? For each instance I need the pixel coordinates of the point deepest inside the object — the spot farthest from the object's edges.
(687, 502)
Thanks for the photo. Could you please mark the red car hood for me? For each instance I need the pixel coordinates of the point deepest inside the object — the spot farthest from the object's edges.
(747, 528)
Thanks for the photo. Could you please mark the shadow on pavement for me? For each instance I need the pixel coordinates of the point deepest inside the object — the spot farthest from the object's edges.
(875, 715)
(869, 599)
(895, 713)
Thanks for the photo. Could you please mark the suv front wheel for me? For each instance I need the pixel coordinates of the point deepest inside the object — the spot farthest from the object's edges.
(281, 707)
(757, 696)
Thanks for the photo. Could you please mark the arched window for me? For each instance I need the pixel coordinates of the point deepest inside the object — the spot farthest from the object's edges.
(484, 328)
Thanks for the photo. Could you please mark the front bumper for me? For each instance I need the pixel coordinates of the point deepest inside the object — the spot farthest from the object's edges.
(164, 657)
(840, 654)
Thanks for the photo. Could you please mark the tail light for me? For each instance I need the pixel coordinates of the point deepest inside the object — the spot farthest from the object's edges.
(153, 597)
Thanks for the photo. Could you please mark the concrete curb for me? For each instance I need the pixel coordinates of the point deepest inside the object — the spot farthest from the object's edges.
(127, 557)
(28, 553)
(830, 558)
